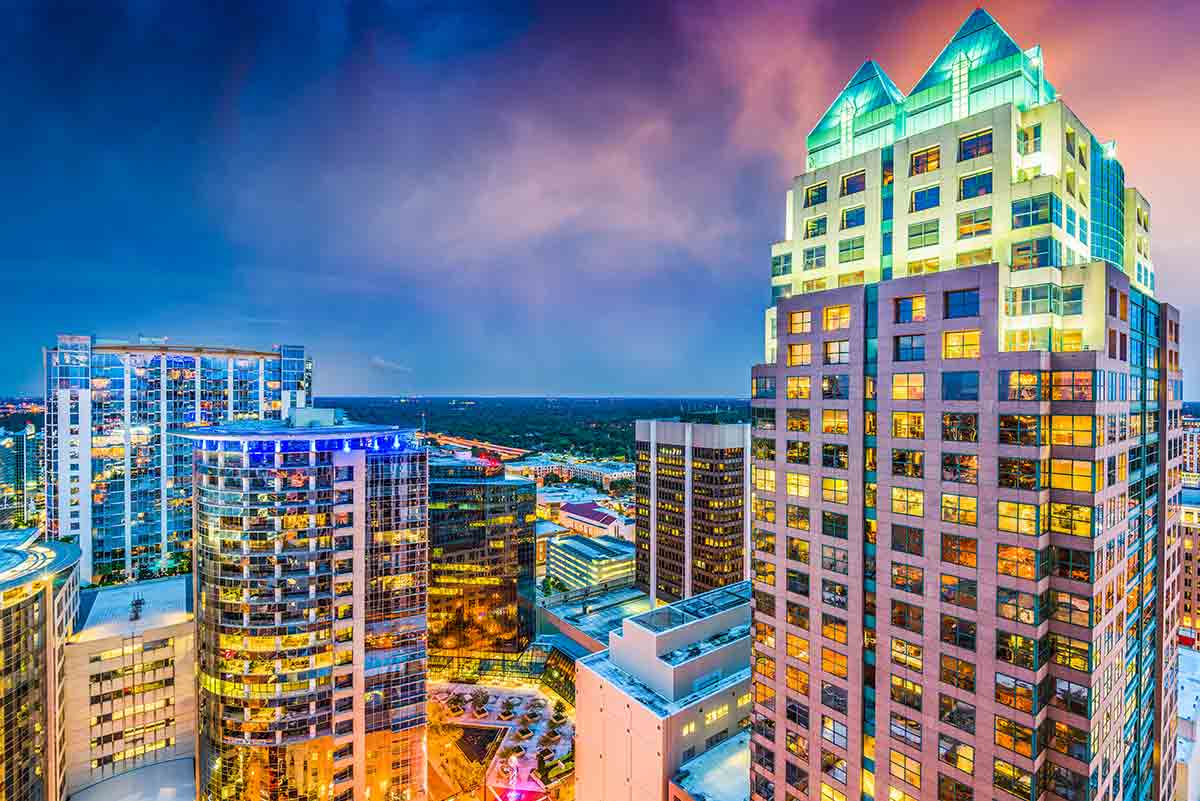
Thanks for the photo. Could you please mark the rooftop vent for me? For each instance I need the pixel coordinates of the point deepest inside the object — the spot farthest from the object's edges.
(135, 607)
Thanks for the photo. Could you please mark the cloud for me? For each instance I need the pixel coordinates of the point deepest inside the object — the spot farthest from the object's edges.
(380, 363)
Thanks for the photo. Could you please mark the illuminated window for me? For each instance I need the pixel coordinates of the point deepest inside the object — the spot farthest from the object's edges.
(835, 318)
(688, 728)
(960, 509)
(797, 485)
(907, 654)
(763, 479)
(799, 354)
(835, 490)
(908, 425)
(972, 258)
(910, 309)
(833, 663)
(798, 387)
(905, 768)
(908, 502)
(835, 421)
(713, 715)
(977, 222)
(925, 160)
(908, 386)
(800, 322)
(960, 345)
(837, 352)
(1018, 518)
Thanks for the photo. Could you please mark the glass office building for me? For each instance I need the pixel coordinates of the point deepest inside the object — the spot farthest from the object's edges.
(481, 579)
(115, 483)
(312, 558)
(967, 454)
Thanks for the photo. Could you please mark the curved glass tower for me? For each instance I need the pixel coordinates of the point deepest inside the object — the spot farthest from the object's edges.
(311, 565)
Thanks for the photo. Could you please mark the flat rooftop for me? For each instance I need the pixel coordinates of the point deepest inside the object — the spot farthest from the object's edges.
(695, 608)
(722, 773)
(159, 781)
(1189, 683)
(282, 429)
(105, 611)
(24, 557)
(591, 548)
(599, 615)
(601, 664)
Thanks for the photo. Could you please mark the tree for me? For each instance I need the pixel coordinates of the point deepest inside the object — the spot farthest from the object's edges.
(550, 479)
(621, 486)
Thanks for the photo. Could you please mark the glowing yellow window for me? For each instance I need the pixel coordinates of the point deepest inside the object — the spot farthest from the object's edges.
(908, 386)
(797, 485)
(799, 353)
(835, 490)
(800, 322)
(799, 387)
(835, 318)
(960, 345)
(835, 421)
(907, 501)
(764, 479)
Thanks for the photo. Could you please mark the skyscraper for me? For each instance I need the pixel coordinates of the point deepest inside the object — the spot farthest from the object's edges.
(311, 564)
(481, 572)
(20, 477)
(966, 454)
(692, 527)
(115, 483)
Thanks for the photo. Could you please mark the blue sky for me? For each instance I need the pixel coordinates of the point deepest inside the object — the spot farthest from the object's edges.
(446, 198)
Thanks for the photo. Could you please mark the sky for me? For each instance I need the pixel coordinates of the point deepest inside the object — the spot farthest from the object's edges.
(514, 198)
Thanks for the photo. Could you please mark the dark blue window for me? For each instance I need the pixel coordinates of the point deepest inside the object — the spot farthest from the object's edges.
(1038, 210)
(1043, 252)
(852, 218)
(975, 185)
(960, 386)
(962, 303)
(928, 198)
(910, 348)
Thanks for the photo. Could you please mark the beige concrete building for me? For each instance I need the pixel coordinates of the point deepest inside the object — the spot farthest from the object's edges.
(131, 681)
(673, 684)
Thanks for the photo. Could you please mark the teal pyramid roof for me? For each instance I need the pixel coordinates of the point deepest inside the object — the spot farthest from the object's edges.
(980, 38)
(869, 89)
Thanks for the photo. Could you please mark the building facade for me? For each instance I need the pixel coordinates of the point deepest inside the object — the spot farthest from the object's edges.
(593, 520)
(131, 681)
(692, 527)
(1189, 600)
(1191, 451)
(673, 684)
(21, 494)
(39, 598)
(577, 561)
(311, 566)
(116, 484)
(967, 454)
(482, 571)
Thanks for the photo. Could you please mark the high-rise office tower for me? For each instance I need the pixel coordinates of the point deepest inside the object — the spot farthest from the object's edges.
(1191, 451)
(311, 565)
(481, 570)
(966, 454)
(115, 483)
(39, 599)
(20, 477)
(692, 527)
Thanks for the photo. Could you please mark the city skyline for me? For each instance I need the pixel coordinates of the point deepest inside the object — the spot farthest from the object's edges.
(272, 159)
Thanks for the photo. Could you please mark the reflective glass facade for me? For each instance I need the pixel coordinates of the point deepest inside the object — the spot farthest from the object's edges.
(312, 556)
(113, 472)
(481, 582)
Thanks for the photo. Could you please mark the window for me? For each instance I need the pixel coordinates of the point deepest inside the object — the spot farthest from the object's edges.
(835, 525)
(927, 198)
(908, 502)
(1029, 140)
(904, 691)
(1018, 518)
(762, 387)
(1071, 474)
(958, 714)
(1024, 652)
(837, 456)
(960, 385)
(798, 387)
(905, 768)
(1071, 385)
(908, 616)
(975, 223)
(974, 145)
(908, 386)
(907, 539)
(953, 790)
(835, 421)
(908, 579)
(1018, 562)
(763, 479)
(961, 468)
(1019, 474)
(910, 348)
(908, 463)
(833, 663)
(1023, 385)
(781, 265)
(960, 591)
(800, 322)
(956, 754)
(816, 194)
(763, 417)
(799, 354)
(797, 485)
(919, 266)
(1011, 779)
(1072, 300)
(1020, 429)
(1022, 607)
(960, 344)
(1038, 210)
(976, 185)
(853, 218)
(1069, 608)
(837, 560)
(850, 250)
(814, 258)
(835, 387)
(1033, 253)
(1033, 299)
(833, 732)
(960, 509)
(958, 632)
(798, 420)
(854, 183)
(911, 309)
(1013, 736)
(797, 452)
(908, 425)
(959, 550)
(835, 490)
(922, 234)
(1070, 518)
(972, 258)
(962, 303)
(837, 352)
(960, 427)
(902, 728)
(835, 318)
(925, 160)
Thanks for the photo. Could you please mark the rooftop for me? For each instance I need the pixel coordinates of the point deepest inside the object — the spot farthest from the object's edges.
(106, 611)
(547, 528)
(596, 547)
(24, 558)
(601, 664)
(159, 781)
(284, 429)
(722, 773)
(590, 510)
(598, 615)
(695, 608)
(1190, 496)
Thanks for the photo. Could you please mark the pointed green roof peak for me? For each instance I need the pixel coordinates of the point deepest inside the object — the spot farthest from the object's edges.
(980, 39)
(869, 89)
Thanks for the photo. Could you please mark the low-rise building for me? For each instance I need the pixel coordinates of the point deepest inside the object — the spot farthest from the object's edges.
(576, 561)
(1187, 753)
(673, 684)
(131, 680)
(593, 520)
(589, 615)
(543, 532)
(721, 773)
